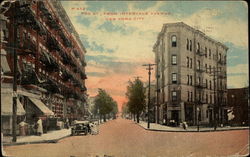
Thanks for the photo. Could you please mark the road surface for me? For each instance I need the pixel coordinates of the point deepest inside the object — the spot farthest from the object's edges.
(124, 138)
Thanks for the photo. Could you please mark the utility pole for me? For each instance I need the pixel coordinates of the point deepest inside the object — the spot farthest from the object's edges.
(14, 116)
(216, 96)
(149, 74)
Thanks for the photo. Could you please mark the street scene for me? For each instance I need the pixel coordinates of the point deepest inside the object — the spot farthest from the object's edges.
(123, 137)
(124, 78)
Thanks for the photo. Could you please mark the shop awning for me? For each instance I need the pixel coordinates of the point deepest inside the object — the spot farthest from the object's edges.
(41, 106)
(4, 63)
(7, 104)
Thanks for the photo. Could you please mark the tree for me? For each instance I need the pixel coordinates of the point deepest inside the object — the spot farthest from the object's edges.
(136, 97)
(114, 109)
(125, 110)
(104, 103)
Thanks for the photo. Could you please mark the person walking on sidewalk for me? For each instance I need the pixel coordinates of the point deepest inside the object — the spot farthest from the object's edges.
(67, 123)
(39, 127)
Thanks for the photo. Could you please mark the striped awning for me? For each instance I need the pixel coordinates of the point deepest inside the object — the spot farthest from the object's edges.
(41, 106)
(7, 105)
(4, 63)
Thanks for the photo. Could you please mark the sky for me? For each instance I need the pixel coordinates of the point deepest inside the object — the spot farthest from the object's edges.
(119, 37)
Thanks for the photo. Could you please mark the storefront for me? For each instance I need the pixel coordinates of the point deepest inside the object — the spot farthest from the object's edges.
(7, 111)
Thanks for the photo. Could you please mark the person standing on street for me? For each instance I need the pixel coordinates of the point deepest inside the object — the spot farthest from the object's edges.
(39, 127)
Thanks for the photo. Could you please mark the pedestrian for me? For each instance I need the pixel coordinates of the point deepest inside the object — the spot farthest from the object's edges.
(39, 127)
(94, 129)
(67, 123)
(184, 124)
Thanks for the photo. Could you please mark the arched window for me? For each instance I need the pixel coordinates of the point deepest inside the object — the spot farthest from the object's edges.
(190, 45)
(174, 41)
(187, 44)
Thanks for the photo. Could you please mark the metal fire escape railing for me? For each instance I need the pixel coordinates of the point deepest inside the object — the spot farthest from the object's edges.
(67, 58)
(52, 44)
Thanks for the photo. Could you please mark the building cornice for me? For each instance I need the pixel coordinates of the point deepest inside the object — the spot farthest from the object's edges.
(196, 31)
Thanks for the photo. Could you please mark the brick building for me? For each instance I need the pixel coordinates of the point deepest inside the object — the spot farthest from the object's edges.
(191, 76)
(50, 61)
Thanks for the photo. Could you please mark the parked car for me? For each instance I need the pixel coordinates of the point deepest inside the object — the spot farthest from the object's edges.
(80, 127)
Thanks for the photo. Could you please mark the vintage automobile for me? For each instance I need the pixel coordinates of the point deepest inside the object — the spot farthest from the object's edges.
(80, 127)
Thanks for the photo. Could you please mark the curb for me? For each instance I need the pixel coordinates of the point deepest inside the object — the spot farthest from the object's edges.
(41, 141)
(193, 131)
(35, 142)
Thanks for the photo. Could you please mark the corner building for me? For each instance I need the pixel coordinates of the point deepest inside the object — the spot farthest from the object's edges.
(50, 63)
(191, 76)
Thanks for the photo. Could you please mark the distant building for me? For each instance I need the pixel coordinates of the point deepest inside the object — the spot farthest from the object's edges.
(50, 63)
(191, 76)
(238, 99)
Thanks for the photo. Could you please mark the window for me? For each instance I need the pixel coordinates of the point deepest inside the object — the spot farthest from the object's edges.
(188, 79)
(174, 41)
(219, 57)
(209, 53)
(199, 96)
(198, 48)
(211, 99)
(191, 80)
(190, 45)
(206, 83)
(206, 98)
(191, 63)
(174, 78)
(174, 61)
(191, 96)
(188, 96)
(210, 84)
(210, 69)
(187, 61)
(174, 95)
(206, 52)
(187, 44)
(198, 64)
(199, 81)
(206, 67)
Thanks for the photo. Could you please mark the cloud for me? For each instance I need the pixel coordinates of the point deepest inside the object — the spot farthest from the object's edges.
(240, 68)
(238, 76)
(96, 74)
(117, 49)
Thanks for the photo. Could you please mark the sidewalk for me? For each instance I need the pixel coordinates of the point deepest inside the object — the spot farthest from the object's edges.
(49, 137)
(159, 127)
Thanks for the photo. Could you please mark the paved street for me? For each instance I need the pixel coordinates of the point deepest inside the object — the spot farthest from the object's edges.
(124, 138)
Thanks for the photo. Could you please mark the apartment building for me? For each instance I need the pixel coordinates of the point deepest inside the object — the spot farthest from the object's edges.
(191, 76)
(50, 62)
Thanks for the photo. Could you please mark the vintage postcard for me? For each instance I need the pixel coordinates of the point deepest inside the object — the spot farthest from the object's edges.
(124, 78)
